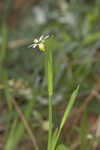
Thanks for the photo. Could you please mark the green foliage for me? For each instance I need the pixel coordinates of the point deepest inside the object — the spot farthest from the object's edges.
(67, 111)
(84, 133)
(3, 50)
(16, 131)
(65, 116)
(62, 147)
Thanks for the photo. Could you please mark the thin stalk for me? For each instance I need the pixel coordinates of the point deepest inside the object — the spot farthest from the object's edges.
(50, 122)
(49, 77)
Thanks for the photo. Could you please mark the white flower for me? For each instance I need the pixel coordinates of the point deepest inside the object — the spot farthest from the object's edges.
(40, 42)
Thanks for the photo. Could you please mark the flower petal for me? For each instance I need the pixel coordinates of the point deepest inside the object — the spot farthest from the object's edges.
(36, 41)
(32, 45)
(41, 38)
(46, 37)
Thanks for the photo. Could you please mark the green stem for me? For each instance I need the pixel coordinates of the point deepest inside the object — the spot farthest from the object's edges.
(50, 122)
(49, 77)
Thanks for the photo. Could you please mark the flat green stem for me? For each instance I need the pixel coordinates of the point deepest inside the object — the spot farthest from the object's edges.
(50, 122)
(49, 77)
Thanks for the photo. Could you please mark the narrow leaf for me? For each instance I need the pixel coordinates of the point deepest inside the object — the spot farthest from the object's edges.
(67, 111)
(71, 102)
(62, 147)
(54, 137)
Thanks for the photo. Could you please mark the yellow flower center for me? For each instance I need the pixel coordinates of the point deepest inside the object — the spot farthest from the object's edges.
(41, 46)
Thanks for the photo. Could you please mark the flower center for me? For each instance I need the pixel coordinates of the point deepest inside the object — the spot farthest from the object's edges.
(41, 46)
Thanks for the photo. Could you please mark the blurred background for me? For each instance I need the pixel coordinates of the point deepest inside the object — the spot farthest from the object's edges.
(75, 25)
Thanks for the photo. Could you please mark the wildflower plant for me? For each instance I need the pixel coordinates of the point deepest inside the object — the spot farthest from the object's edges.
(39, 42)
(44, 45)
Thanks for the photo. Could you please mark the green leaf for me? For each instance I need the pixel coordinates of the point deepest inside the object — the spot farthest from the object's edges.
(54, 138)
(3, 50)
(62, 147)
(71, 102)
(92, 38)
(84, 133)
(67, 111)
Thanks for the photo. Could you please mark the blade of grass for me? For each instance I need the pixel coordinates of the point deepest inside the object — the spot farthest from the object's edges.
(25, 123)
(3, 50)
(8, 145)
(84, 132)
(67, 111)
(9, 103)
(18, 132)
(62, 147)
